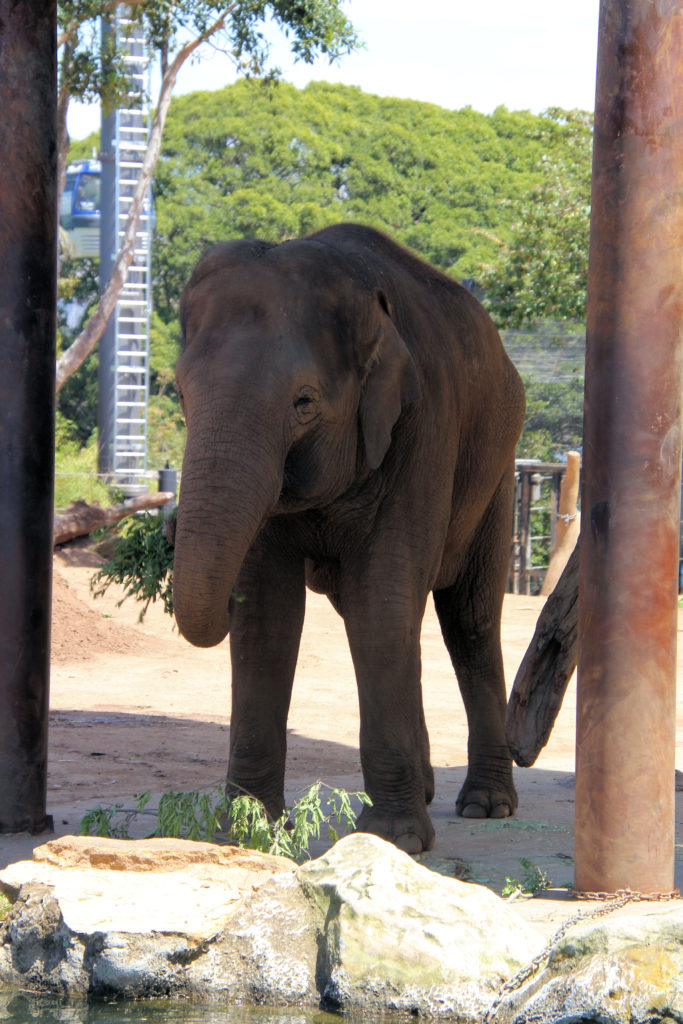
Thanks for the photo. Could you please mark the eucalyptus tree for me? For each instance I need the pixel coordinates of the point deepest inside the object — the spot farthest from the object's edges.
(174, 31)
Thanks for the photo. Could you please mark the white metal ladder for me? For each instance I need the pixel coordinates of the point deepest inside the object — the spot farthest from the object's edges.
(131, 316)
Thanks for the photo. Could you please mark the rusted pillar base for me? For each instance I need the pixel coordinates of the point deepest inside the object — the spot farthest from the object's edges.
(28, 293)
(632, 456)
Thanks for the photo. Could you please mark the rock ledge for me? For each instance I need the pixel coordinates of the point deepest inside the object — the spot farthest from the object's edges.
(363, 928)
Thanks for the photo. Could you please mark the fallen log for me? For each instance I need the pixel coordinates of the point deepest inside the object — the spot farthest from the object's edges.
(79, 518)
(546, 669)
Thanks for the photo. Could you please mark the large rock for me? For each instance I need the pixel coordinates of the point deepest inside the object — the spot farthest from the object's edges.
(121, 886)
(401, 937)
(147, 919)
(625, 970)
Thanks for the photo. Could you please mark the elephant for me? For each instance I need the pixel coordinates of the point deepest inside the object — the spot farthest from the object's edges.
(352, 417)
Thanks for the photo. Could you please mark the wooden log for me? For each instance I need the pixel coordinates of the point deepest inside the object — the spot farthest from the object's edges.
(560, 557)
(546, 669)
(568, 520)
(569, 494)
(79, 518)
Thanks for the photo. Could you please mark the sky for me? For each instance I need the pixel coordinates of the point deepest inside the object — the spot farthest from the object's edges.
(526, 55)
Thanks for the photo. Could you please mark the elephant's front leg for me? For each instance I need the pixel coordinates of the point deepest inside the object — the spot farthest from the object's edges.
(470, 612)
(384, 636)
(269, 603)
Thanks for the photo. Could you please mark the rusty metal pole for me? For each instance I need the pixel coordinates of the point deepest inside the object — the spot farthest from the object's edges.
(624, 831)
(28, 258)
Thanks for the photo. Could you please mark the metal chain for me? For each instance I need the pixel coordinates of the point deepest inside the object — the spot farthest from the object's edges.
(616, 900)
(632, 897)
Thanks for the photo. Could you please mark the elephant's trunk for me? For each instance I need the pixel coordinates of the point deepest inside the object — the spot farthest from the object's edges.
(224, 498)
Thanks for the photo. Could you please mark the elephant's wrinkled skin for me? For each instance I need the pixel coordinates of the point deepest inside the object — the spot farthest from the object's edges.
(352, 418)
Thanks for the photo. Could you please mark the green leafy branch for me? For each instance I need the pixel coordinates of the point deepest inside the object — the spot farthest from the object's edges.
(142, 563)
(533, 881)
(113, 821)
(241, 820)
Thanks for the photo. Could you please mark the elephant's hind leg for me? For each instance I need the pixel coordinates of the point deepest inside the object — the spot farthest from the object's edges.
(264, 645)
(469, 612)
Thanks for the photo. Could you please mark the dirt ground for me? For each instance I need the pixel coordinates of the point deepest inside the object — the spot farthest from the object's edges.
(134, 707)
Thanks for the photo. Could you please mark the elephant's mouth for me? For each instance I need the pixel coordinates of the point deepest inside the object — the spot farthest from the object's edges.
(298, 490)
(292, 502)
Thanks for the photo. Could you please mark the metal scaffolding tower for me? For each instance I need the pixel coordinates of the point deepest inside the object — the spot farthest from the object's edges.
(124, 347)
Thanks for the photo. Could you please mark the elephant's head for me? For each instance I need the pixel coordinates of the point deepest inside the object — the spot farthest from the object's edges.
(291, 379)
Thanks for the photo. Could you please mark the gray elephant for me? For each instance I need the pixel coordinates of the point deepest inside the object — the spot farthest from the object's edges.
(352, 419)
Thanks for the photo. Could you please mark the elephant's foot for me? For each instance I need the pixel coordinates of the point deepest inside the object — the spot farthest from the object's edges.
(412, 833)
(488, 792)
(274, 803)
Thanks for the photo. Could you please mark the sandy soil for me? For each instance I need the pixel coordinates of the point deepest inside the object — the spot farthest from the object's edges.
(134, 707)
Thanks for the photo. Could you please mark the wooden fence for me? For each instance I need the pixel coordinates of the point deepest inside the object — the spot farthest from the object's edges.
(534, 530)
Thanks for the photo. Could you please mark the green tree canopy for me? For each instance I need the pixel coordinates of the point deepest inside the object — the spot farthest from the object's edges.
(273, 161)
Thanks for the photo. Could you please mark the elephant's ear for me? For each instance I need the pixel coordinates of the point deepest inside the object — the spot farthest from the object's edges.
(391, 384)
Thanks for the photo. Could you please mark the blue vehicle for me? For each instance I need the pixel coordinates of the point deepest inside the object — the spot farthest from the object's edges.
(80, 209)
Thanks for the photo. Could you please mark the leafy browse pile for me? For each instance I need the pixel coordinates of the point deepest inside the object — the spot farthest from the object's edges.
(241, 820)
(142, 563)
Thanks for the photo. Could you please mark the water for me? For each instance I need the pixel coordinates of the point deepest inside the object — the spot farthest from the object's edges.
(20, 1008)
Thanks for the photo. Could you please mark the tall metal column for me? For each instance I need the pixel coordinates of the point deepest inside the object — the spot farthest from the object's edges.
(108, 246)
(624, 832)
(28, 298)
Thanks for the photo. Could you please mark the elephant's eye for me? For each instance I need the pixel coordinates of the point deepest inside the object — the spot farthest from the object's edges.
(306, 404)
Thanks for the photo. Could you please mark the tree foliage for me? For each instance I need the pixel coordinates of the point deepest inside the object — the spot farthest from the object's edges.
(541, 273)
(276, 162)
(93, 71)
(554, 419)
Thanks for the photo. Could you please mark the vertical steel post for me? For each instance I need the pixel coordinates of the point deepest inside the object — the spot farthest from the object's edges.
(524, 529)
(28, 294)
(624, 833)
(108, 247)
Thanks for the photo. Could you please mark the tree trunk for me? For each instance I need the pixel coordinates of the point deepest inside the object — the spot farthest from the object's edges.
(546, 669)
(80, 519)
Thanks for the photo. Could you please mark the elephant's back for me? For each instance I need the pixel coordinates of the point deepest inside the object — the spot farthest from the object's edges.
(459, 353)
(427, 306)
